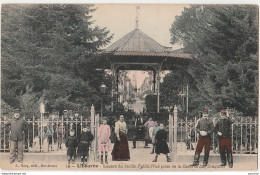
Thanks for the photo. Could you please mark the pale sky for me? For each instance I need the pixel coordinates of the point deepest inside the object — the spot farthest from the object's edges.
(154, 20)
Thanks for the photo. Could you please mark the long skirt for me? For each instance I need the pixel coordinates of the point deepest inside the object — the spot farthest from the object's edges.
(121, 149)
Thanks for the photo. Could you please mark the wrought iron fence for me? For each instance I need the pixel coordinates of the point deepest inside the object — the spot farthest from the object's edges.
(244, 135)
(43, 134)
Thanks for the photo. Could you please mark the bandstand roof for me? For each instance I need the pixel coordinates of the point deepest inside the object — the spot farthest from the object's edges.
(137, 43)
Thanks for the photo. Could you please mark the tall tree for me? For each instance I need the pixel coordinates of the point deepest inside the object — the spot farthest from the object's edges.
(225, 39)
(53, 49)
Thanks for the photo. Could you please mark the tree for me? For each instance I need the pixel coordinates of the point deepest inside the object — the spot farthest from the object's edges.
(54, 50)
(224, 39)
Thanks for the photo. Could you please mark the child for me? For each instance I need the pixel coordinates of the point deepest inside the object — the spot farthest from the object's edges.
(156, 128)
(104, 143)
(60, 131)
(42, 136)
(85, 142)
(49, 135)
(71, 144)
(161, 143)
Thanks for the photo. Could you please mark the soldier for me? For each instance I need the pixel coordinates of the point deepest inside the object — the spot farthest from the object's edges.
(223, 130)
(17, 127)
(204, 128)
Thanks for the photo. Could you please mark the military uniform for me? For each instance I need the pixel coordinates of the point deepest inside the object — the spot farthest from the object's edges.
(223, 131)
(17, 127)
(204, 126)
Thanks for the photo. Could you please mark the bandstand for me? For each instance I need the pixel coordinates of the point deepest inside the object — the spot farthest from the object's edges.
(138, 51)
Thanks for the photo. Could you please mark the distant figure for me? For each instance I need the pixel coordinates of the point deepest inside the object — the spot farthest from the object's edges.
(161, 144)
(104, 143)
(148, 131)
(49, 135)
(204, 128)
(86, 138)
(139, 130)
(187, 140)
(223, 130)
(17, 126)
(42, 136)
(60, 131)
(71, 144)
(121, 151)
(156, 128)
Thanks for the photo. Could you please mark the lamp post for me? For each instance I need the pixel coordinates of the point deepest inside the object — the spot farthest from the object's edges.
(103, 90)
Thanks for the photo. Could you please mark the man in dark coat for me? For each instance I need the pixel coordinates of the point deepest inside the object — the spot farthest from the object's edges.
(204, 128)
(139, 130)
(223, 131)
(17, 126)
(161, 144)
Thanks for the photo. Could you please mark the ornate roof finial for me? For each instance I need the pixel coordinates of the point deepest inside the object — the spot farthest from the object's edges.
(136, 19)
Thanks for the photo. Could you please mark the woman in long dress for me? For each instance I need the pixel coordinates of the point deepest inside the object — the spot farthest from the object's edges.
(104, 143)
(121, 150)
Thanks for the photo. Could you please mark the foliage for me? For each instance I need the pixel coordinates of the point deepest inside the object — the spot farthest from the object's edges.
(151, 103)
(225, 41)
(54, 50)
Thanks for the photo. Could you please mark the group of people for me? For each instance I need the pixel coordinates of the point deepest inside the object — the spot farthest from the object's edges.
(150, 130)
(18, 126)
(205, 128)
(80, 145)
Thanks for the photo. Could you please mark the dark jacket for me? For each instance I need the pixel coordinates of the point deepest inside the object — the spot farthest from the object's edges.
(71, 142)
(17, 127)
(224, 126)
(161, 142)
(205, 124)
(86, 137)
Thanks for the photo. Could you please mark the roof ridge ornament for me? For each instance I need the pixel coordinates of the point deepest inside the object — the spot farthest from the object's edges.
(136, 19)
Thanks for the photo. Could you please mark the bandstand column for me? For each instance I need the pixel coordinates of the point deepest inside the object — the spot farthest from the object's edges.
(113, 87)
(158, 91)
(154, 81)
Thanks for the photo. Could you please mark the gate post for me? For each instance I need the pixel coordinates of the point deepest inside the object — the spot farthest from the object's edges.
(92, 124)
(171, 135)
(175, 111)
(96, 138)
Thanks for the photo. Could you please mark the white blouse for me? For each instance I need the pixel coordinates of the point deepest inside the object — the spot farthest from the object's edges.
(120, 126)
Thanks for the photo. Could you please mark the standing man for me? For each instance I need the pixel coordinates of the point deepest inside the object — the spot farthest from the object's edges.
(138, 130)
(17, 127)
(204, 128)
(148, 131)
(223, 130)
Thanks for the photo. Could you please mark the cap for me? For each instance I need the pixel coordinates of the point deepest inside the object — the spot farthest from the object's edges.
(205, 111)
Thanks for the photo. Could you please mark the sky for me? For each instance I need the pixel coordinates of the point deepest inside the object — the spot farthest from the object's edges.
(153, 19)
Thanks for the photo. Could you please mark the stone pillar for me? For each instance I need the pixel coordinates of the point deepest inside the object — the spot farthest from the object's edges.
(92, 119)
(175, 124)
(96, 138)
